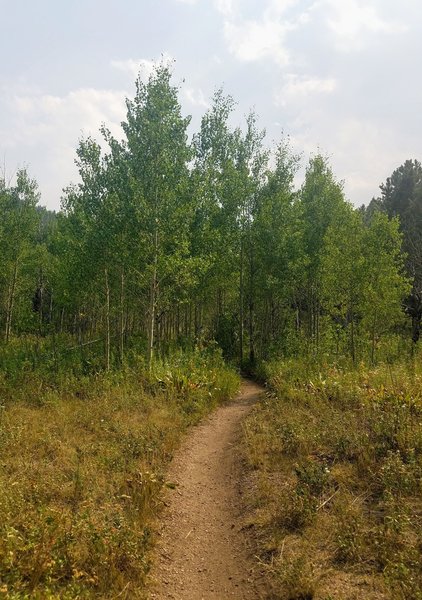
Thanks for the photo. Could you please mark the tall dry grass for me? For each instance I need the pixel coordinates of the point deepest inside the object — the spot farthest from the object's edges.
(81, 472)
(336, 457)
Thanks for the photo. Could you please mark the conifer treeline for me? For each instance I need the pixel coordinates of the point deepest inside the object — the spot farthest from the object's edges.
(170, 242)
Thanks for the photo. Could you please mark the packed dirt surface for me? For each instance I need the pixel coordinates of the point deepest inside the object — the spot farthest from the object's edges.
(202, 552)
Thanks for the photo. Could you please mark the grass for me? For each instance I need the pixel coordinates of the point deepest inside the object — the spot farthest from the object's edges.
(82, 465)
(337, 469)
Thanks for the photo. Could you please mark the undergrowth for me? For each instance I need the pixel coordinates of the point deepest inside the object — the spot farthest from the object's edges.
(81, 468)
(337, 459)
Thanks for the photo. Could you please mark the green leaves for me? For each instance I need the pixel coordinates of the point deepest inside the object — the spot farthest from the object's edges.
(19, 225)
(166, 241)
(362, 277)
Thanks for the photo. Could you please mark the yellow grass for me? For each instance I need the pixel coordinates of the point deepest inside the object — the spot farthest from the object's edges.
(80, 480)
(337, 464)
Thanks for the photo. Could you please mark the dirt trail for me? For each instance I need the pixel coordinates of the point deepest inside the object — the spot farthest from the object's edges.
(202, 552)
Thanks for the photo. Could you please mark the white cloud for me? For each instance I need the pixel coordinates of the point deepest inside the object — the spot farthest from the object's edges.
(83, 109)
(141, 66)
(254, 40)
(349, 20)
(298, 88)
(227, 8)
(279, 7)
(350, 24)
(195, 97)
(45, 129)
(363, 152)
(133, 67)
(263, 37)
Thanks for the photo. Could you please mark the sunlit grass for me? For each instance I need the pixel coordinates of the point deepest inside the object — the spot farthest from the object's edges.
(81, 473)
(337, 456)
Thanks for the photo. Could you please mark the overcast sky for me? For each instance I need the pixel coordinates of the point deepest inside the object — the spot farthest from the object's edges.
(342, 76)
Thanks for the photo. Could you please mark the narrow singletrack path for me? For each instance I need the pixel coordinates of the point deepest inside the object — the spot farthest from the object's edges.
(202, 552)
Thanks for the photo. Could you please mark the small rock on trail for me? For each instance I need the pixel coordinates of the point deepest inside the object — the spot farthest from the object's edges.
(202, 552)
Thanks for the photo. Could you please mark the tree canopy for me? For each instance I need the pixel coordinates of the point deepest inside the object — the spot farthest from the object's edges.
(170, 240)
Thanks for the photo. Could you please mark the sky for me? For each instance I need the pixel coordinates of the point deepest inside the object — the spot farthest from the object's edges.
(340, 77)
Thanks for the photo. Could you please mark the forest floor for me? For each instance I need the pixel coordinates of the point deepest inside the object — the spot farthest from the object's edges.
(203, 551)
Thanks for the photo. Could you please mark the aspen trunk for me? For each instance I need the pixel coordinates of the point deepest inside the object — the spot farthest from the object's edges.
(251, 311)
(374, 323)
(352, 336)
(317, 311)
(122, 317)
(153, 301)
(241, 304)
(107, 317)
(11, 302)
(61, 320)
(50, 310)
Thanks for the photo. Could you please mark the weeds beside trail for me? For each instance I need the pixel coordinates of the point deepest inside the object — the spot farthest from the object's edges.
(81, 468)
(337, 459)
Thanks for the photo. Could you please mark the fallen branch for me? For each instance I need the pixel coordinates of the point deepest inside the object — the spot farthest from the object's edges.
(328, 500)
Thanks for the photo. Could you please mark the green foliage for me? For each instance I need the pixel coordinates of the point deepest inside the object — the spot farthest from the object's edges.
(165, 243)
(401, 197)
(363, 281)
(18, 265)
